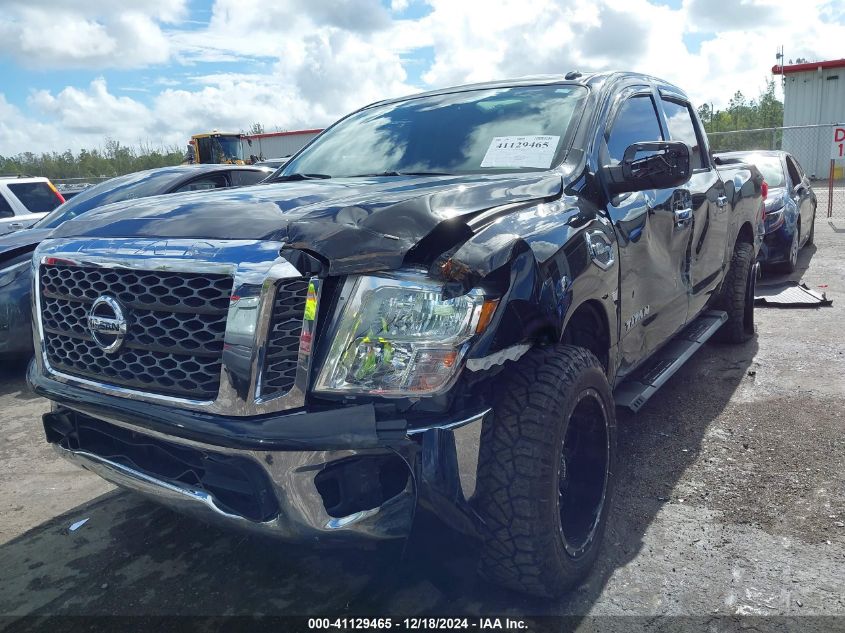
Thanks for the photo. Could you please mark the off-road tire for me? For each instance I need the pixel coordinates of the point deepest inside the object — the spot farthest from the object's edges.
(518, 492)
(737, 296)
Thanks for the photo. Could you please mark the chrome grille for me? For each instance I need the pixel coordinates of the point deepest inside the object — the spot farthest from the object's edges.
(281, 357)
(175, 327)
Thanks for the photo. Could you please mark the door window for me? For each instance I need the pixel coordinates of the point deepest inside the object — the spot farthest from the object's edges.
(6, 210)
(798, 167)
(37, 197)
(794, 174)
(213, 181)
(243, 177)
(636, 122)
(682, 128)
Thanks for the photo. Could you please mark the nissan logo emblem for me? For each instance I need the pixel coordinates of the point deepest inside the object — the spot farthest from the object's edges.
(107, 324)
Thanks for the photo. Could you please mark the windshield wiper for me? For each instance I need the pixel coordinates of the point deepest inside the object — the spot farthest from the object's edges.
(298, 176)
(402, 173)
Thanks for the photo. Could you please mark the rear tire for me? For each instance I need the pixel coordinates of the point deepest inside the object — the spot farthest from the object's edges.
(546, 471)
(738, 296)
(791, 263)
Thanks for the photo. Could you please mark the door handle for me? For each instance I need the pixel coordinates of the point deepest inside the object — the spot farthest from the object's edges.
(15, 225)
(721, 201)
(683, 218)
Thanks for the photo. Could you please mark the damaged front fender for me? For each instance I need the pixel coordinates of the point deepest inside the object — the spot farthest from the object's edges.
(537, 258)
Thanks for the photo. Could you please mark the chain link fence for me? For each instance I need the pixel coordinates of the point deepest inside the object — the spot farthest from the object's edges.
(809, 144)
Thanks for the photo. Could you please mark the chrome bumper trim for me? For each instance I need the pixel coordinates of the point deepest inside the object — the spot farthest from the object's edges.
(301, 517)
(129, 478)
(451, 426)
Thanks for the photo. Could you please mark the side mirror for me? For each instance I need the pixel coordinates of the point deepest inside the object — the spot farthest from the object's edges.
(664, 165)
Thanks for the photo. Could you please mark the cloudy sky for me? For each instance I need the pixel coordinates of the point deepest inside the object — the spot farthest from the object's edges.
(154, 71)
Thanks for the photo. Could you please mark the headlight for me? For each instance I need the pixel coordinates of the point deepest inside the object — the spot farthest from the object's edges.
(397, 336)
(774, 213)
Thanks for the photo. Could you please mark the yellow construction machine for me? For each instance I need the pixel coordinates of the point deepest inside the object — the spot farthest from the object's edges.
(215, 147)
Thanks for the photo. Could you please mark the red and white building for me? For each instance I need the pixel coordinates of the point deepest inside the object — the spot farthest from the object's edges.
(814, 94)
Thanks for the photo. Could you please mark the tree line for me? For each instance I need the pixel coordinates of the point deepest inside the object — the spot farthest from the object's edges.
(742, 113)
(113, 159)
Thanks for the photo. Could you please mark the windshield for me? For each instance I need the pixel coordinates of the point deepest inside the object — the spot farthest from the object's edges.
(475, 131)
(138, 185)
(220, 149)
(770, 167)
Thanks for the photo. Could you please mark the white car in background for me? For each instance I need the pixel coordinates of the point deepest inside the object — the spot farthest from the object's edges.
(24, 200)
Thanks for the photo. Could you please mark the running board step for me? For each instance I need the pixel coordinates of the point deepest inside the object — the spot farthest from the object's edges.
(634, 392)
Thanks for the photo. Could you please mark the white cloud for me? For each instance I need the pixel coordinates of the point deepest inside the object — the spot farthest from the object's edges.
(97, 34)
(18, 133)
(92, 111)
(306, 62)
(53, 34)
(511, 38)
(735, 16)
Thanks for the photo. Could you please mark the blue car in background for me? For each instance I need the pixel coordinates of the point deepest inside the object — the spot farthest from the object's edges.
(16, 248)
(790, 205)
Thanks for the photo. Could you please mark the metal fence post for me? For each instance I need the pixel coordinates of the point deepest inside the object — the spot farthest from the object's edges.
(830, 189)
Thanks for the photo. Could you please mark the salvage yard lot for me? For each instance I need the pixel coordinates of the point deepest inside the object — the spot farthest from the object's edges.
(729, 501)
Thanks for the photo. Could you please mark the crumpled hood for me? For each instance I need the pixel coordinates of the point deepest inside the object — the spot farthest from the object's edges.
(356, 224)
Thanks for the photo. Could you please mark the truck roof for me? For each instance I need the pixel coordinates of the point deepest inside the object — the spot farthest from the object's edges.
(593, 80)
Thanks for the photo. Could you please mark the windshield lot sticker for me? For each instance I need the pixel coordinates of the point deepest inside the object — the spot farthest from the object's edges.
(521, 151)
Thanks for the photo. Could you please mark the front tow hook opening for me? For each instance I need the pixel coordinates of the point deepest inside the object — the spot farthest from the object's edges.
(356, 487)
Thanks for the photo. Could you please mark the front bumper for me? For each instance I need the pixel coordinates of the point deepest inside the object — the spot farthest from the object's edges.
(297, 488)
(776, 244)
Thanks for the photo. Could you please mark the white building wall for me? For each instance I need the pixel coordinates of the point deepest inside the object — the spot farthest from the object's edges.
(813, 97)
(277, 145)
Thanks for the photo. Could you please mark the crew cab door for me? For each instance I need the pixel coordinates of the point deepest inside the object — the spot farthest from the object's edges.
(708, 201)
(653, 231)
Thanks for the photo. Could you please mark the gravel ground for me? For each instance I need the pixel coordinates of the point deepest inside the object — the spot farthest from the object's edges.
(730, 502)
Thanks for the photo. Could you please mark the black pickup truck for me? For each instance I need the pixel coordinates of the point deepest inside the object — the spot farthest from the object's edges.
(437, 304)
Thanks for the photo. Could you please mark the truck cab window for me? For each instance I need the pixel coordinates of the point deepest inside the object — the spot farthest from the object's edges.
(682, 128)
(636, 122)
